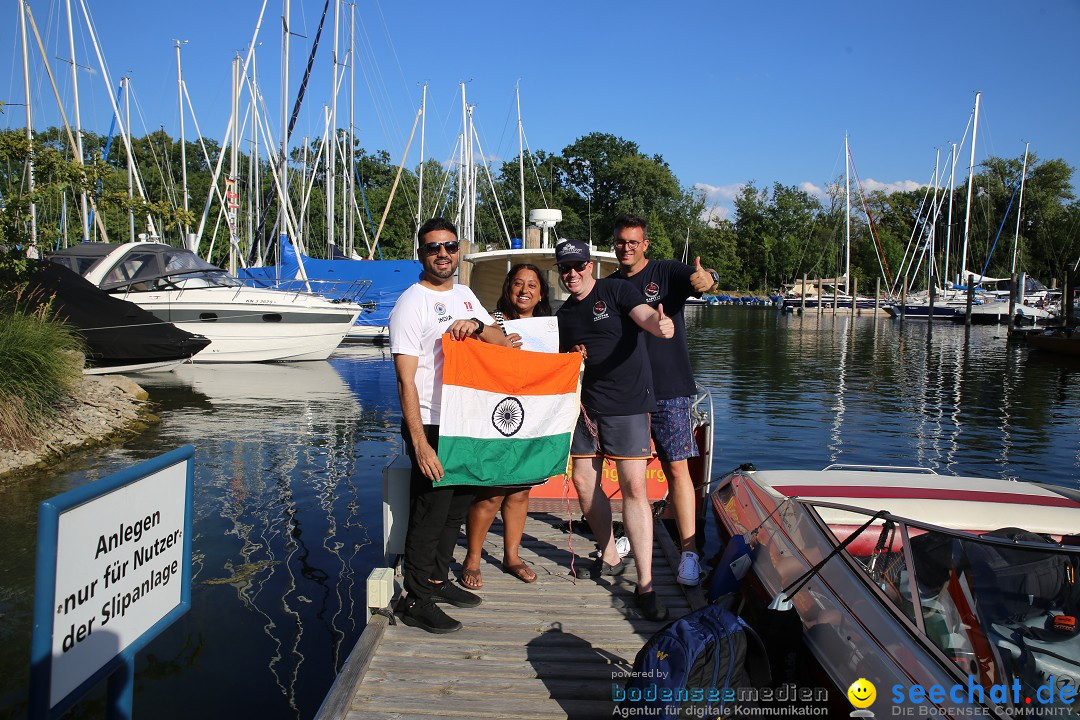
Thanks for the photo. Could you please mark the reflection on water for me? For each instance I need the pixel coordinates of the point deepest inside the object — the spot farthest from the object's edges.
(286, 529)
(289, 459)
(805, 391)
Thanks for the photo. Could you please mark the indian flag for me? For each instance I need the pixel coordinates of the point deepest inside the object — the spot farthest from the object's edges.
(507, 414)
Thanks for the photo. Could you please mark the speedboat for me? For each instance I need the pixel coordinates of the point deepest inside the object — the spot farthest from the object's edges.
(374, 284)
(243, 323)
(118, 336)
(951, 596)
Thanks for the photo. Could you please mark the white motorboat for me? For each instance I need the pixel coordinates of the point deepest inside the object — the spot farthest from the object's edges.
(951, 595)
(243, 323)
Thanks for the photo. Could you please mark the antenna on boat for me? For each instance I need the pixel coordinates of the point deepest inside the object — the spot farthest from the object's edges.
(546, 218)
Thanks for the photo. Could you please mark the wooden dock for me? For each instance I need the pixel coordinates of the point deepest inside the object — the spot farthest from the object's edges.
(549, 649)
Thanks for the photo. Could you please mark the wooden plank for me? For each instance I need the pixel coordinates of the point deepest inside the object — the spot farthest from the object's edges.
(339, 697)
(549, 649)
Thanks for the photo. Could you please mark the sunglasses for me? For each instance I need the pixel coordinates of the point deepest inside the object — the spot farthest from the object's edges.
(433, 248)
(565, 268)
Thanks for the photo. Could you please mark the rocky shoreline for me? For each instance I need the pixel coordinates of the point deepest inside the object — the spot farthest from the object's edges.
(102, 408)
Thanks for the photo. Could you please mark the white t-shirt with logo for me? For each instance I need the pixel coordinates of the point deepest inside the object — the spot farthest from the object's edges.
(417, 323)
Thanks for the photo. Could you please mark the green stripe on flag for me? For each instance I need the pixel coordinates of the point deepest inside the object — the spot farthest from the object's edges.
(504, 461)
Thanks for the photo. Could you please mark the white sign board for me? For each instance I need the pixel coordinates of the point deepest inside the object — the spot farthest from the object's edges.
(539, 334)
(119, 570)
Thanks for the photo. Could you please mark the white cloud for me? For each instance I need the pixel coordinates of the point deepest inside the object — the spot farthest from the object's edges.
(719, 201)
(871, 185)
(813, 190)
(720, 193)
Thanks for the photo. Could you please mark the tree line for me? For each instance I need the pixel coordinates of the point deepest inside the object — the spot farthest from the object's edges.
(774, 236)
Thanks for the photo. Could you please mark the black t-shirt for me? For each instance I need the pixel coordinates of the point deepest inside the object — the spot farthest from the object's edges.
(618, 379)
(667, 282)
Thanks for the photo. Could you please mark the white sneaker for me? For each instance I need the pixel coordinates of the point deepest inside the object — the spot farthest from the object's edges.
(689, 569)
(622, 546)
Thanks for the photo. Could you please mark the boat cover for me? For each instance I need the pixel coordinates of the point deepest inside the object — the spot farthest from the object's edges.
(388, 278)
(115, 332)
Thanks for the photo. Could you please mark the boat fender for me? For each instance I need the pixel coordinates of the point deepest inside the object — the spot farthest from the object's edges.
(735, 561)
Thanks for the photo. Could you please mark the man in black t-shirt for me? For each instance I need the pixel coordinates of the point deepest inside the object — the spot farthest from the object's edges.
(668, 283)
(603, 319)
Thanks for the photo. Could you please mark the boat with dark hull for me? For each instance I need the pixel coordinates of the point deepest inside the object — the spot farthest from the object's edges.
(118, 336)
(243, 323)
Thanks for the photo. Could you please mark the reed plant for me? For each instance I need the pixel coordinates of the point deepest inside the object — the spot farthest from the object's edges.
(40, 364)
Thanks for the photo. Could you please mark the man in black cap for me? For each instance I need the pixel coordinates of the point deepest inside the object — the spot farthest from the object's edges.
(602, 319)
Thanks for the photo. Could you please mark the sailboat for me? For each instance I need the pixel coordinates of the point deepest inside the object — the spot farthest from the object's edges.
(830, 295)
(485, 269)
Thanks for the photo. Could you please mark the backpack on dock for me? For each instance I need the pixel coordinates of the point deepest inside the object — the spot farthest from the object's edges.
(698, 661)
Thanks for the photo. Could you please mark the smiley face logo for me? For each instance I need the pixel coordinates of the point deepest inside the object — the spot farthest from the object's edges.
(862, 693)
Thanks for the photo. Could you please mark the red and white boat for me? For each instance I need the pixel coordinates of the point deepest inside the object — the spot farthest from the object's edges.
(951, 595)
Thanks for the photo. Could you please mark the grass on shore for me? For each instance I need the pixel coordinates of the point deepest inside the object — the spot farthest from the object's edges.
(40, 365)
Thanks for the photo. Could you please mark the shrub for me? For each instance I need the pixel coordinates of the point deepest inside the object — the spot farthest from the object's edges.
(40, 364)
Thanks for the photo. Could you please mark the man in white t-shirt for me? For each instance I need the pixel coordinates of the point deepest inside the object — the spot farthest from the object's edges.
(421, 316)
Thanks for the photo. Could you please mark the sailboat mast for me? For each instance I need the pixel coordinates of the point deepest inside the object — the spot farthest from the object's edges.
(1019, 206)
(948, 227)
(934, 213)
(85, 217)
(126, 81)
(462, 163)
(283, 170)
(420, 184)
(521, 160)
(970, 187)
(183, 149)
(232, 197)
(847, 217)
(331, 161)
(29, 127)
(349, 170)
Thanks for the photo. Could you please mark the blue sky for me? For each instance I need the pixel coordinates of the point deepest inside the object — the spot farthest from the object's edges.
(725, 92)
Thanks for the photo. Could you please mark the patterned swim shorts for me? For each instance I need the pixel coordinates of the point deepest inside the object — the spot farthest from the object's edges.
(672, 430)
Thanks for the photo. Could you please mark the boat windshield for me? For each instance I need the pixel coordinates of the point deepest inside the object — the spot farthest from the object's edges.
(173, 269)
(1001, 606)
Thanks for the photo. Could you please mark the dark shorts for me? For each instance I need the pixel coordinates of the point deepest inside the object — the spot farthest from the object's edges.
(619, 437)
(673, 431)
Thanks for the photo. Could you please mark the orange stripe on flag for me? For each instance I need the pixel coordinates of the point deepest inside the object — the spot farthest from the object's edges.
(494, 368)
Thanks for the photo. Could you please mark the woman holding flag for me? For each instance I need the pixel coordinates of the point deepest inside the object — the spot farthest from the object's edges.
(525, 294)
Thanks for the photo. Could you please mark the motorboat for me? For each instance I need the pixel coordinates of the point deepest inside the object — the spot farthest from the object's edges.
(1064, 341)
(953, 596)
(243, 323)
(118, 336)
(485, 270)
(374, 284)
(806, 295)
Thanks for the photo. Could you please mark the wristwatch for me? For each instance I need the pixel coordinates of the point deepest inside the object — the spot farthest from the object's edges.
(715, 277)
(479, 327)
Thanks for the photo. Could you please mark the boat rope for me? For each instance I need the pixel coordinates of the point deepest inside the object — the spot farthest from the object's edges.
(801, 581)
(386, 613)
(879, 251)
(982, 273)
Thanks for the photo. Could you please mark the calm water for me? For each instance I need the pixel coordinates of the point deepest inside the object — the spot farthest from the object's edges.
(289, 459)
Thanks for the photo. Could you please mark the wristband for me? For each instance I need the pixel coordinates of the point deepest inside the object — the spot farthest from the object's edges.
(479, 327)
